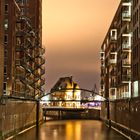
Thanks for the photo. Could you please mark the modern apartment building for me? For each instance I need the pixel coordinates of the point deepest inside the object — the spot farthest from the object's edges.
(23, 52)
(116, 55)
(136, 48)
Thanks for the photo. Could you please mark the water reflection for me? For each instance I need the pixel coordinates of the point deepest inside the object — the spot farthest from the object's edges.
(71, 130)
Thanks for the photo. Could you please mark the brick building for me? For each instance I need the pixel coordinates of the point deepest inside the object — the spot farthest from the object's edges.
(120, 78)
(135, 48)
(23, 51)
(116, 55)
(1, 47)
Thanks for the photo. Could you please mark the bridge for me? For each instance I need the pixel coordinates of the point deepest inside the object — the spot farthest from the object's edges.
(71, 113)
(85, 107)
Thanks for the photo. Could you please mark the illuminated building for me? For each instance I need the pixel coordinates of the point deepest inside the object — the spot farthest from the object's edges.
(116, 55)
(66, 89)
(136, 48)
(23, 52)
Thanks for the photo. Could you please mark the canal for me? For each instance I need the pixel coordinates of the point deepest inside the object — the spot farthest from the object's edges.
(71, 130)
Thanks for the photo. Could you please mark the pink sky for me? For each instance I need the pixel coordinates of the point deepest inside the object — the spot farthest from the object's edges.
(73, 31)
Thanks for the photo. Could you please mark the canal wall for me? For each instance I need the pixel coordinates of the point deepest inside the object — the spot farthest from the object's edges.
(72, 114)
(17, 115)
(124, 115)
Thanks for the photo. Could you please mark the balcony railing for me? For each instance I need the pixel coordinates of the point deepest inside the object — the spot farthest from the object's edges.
(102, 74)
(102, 82)
(126, 78)
(113, 85)
(125, 95)
(103, 66)
(113, 73)
(126, 15)
(113, 61)
(113, 38)
(126, 46)
(126, 63)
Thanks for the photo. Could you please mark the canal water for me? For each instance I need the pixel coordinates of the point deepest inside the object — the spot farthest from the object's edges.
(71, 130)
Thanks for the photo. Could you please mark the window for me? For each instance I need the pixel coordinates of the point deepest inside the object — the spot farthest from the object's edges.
(5, 53)
(5, 69)
(6, 8)
(135, 89)
(5, 39)
(113, 34)
(6, 24)
(4, 86)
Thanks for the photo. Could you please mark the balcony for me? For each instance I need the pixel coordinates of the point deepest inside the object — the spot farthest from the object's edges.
(113, 85)
(20, 33)
(112, 61)
(18, 62)
(126, 0)
(102, 55)
(126, 10)
(102, 66)
(113, 73)
(112, 93)
(113, 58)
(126, 15)
(126, 78)
(19, 76)
(126, 63)
(125, 94)
(102, 82)
(102, 74)
(19, 48)
(102, 58)
(42, 71)
(126, 46)
(113, 34)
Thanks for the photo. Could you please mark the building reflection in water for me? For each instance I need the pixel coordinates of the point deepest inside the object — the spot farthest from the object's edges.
(73, 130)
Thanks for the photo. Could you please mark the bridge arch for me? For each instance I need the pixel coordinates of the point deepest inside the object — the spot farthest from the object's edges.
(83, 91)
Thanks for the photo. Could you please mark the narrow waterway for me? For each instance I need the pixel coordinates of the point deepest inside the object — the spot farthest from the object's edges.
(71, 130)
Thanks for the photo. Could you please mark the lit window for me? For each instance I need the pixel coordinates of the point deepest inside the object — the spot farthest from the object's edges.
(6, 24)
(135, 89)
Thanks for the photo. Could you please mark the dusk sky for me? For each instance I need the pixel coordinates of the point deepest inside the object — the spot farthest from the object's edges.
(73, 32)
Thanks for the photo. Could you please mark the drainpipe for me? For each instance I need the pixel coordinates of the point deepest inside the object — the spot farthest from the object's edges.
(108, 113)
(37, 113)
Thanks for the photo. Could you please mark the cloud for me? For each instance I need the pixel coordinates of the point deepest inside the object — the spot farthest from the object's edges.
(73, 31)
